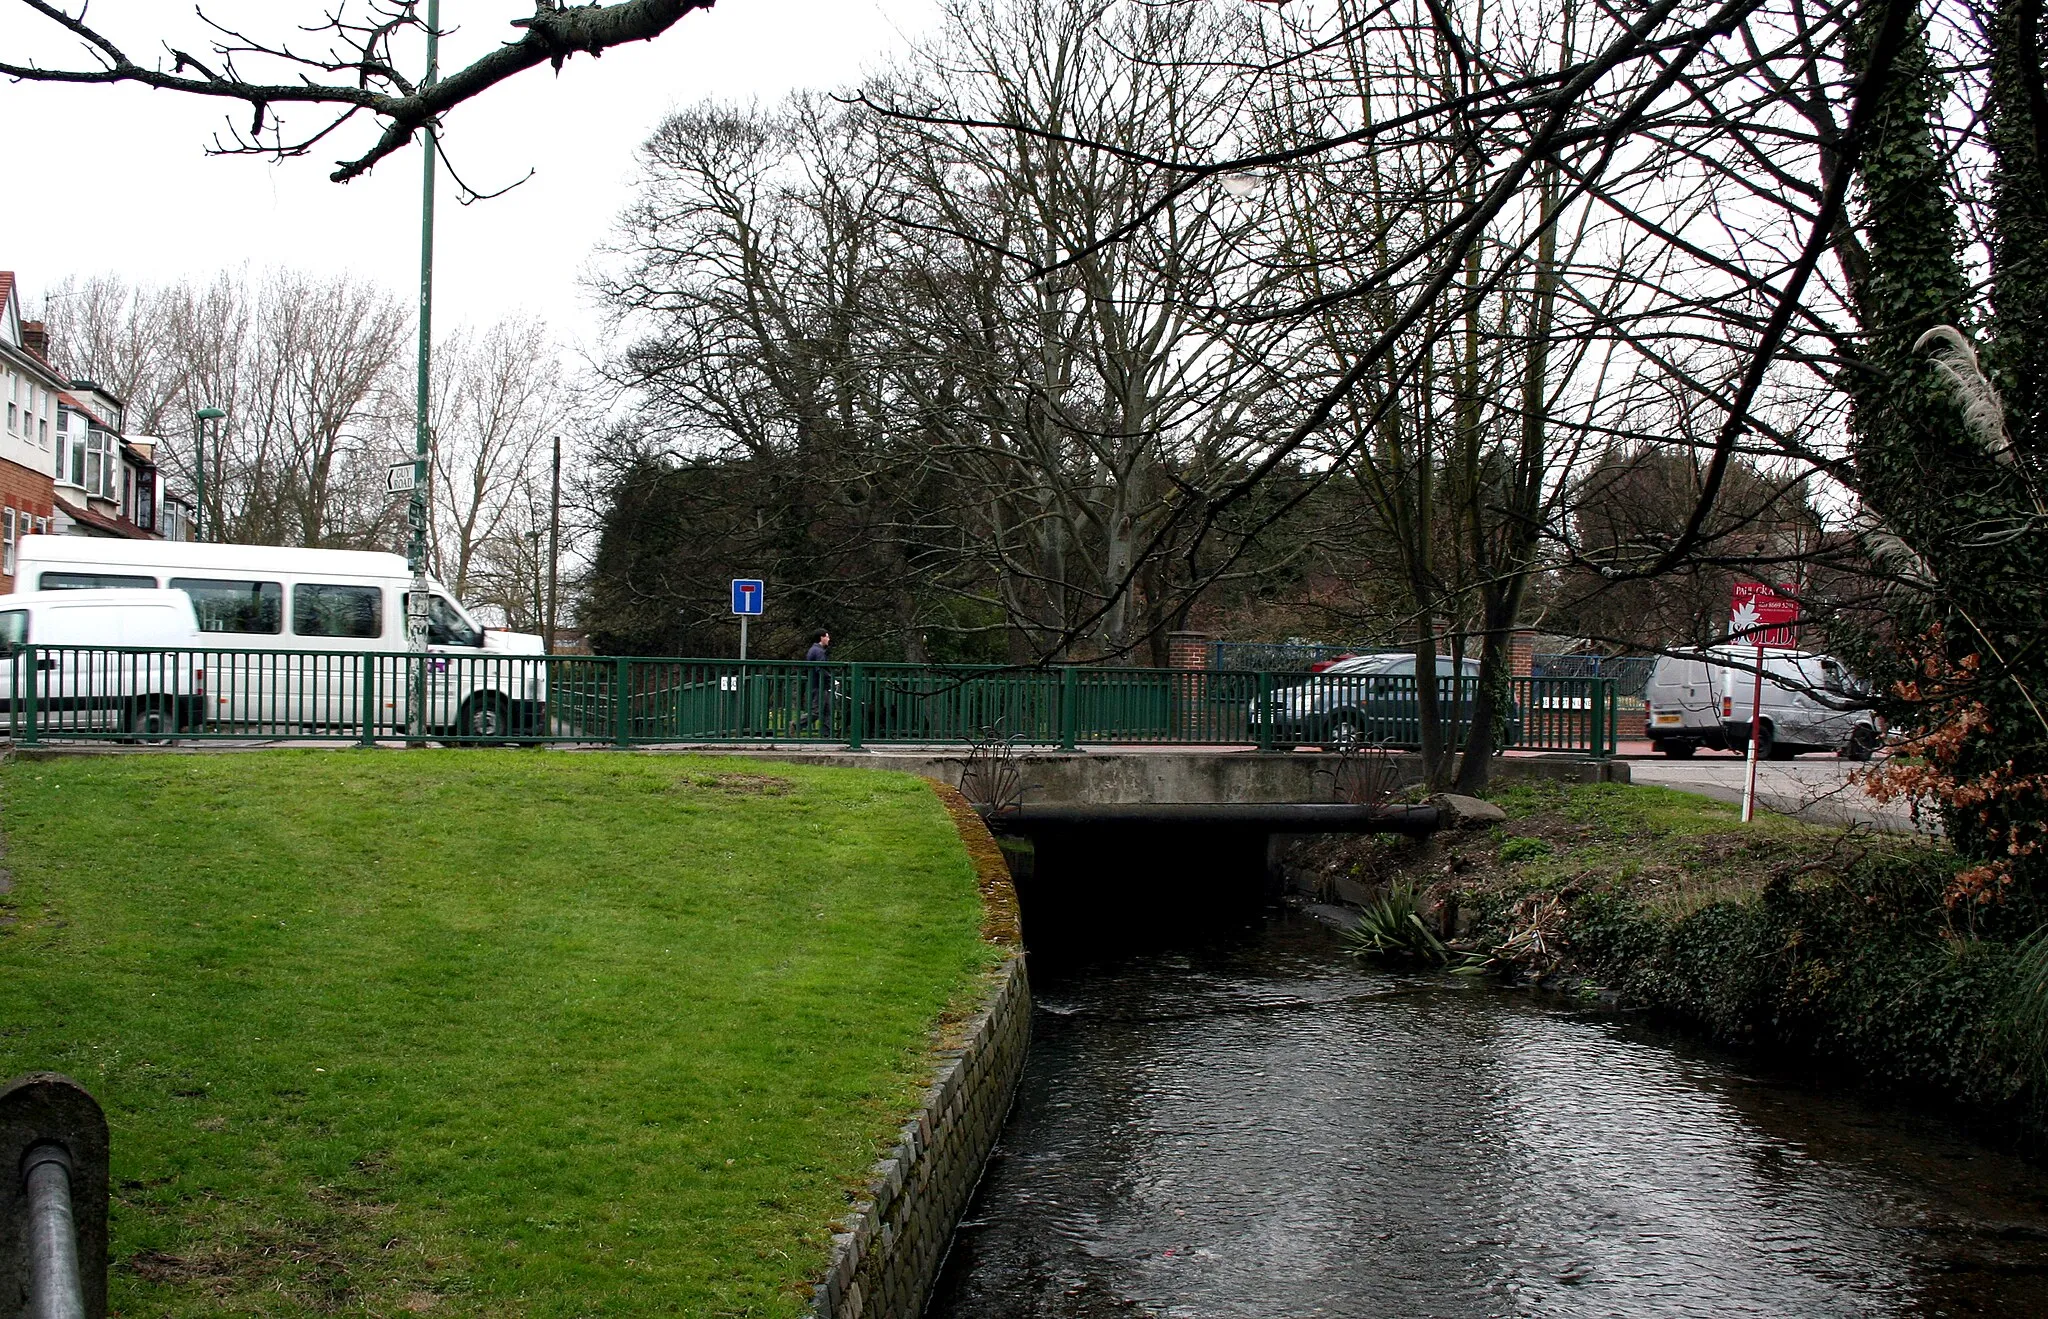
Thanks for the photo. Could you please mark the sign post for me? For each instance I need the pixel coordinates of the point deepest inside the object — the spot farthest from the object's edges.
(1761, 614)
(749, 598)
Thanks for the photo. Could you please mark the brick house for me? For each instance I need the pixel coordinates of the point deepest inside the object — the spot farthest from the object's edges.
(30, 387)
(107, 482)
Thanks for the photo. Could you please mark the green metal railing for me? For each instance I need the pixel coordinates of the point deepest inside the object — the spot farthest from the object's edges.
(74, 693)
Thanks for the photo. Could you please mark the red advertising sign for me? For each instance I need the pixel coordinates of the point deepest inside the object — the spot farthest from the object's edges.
(1760, 616)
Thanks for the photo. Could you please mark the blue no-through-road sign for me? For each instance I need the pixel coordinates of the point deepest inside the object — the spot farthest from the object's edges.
(748, 597)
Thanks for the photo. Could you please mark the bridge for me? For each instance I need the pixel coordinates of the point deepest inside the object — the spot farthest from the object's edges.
(1110, 848)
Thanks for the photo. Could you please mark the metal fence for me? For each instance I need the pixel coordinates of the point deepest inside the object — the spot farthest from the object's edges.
(1630, 673)
(77, 693)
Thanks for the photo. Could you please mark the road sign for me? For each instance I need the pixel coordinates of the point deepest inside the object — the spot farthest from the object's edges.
(1760, 615)
(398, 477)
(748, 597)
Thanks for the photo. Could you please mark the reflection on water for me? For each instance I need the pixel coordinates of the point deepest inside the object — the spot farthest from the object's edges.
(1265, 1128)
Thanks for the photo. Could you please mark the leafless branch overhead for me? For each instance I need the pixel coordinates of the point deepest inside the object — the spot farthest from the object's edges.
(356, 73)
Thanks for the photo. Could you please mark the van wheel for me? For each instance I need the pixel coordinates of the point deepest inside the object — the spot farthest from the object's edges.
(151, 720)
(1862, 742)
(485, 718)
(1676, 749)
(1768, 747)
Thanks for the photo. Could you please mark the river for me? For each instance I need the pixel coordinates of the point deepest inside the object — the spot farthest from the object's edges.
(1257, 1125)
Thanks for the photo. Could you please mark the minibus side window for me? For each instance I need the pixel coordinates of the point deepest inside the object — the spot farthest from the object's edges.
(13, 630)
(320, 610)
(90, 581)
(253, 608)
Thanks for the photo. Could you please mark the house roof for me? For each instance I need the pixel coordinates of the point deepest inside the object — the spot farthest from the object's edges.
(68, 401)
(111, 526)
(10, 327)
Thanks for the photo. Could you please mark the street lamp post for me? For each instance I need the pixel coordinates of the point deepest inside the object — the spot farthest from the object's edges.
(199, 420)
(416, 509)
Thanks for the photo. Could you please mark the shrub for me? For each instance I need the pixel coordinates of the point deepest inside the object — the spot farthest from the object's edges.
(1390, 928)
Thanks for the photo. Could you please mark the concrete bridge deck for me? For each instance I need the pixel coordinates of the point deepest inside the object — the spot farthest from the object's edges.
(1162, 775)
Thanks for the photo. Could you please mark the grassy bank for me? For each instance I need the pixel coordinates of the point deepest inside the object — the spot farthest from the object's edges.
(475, 1032)
(1823, 944)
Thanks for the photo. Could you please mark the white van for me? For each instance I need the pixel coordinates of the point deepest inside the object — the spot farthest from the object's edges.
(1683, 702)
(320, 610)
(1809, 703)
(118, 661)
(1703, 698)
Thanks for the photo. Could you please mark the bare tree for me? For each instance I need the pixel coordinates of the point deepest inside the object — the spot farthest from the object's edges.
(352, 68)
(498, 397)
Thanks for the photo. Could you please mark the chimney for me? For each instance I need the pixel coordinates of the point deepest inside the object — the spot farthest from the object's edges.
(35, 336)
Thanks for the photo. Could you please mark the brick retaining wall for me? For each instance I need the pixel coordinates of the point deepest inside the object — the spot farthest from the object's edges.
(885, 1261)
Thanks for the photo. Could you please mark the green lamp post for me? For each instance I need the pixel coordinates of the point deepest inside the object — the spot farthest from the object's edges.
(199, 420)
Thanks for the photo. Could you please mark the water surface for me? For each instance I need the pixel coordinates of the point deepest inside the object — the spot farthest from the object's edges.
(1262, 1127)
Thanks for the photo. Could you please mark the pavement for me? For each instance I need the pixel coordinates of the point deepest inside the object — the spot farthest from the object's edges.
(1814, 787)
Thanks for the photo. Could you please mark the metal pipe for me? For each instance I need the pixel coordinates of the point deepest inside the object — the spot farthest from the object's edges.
(54, 1288)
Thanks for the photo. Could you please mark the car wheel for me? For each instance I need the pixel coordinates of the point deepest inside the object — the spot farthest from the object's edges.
(152, 720)
(1345, 734)
(485, 719)
(1862, 742)
(1676, 749)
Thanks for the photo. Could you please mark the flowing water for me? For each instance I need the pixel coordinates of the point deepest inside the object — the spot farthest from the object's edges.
(1260, 1126)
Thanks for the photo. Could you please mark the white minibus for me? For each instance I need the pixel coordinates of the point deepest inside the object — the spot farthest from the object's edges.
(296, 628)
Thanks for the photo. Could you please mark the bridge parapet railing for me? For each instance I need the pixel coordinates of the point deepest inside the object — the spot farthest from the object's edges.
(89, 693)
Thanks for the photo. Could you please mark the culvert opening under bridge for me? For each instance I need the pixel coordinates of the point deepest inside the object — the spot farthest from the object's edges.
(1096, 881)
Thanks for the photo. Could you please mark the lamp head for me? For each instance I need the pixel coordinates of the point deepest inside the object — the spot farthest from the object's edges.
(210, 414)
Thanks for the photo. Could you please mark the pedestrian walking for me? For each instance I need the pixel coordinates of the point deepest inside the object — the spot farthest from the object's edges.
(820, 654)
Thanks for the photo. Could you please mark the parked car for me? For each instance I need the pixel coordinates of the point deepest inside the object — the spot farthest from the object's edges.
(116, 661)
(1364, 701)
(1809, 703)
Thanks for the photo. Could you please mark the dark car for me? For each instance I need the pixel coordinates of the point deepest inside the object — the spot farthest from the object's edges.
(1369, 701)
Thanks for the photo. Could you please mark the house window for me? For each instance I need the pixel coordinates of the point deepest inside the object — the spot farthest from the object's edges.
(10, 414)
(102, 465)
(7, 549)
(43, 432)
(145, 503)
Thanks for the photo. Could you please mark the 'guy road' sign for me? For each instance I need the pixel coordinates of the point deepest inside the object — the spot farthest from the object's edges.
(748, 597)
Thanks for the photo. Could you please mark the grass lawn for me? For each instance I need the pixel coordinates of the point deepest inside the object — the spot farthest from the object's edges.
(1674, 852)
(479, 1032)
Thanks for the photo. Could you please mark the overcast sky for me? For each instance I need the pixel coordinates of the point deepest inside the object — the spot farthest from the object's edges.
(117, 180)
